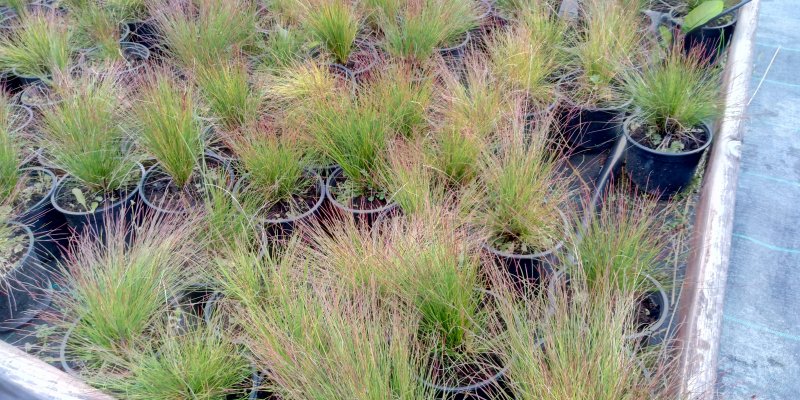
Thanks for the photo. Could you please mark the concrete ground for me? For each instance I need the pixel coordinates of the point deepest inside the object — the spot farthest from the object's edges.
(760, 344)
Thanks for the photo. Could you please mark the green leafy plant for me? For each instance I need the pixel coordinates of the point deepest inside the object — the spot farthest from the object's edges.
(168, 126)
(607, 46)
(120, 287)
(673, 98)
(701, 13)
(84, 133)
(335, 24)
(227, 91)
(205, 32)
(42, 45)
(199, 363)
(421, 26)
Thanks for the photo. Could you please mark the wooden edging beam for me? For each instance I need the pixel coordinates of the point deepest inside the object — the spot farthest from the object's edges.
(703, 293)
(23, 376)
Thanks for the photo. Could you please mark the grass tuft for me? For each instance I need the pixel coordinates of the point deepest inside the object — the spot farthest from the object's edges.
(226, 89)
(42, 45)
(334, 24)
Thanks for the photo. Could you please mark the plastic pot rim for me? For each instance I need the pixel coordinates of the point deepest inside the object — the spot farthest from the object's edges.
(105, 208)
(704, 126)
(329, 195)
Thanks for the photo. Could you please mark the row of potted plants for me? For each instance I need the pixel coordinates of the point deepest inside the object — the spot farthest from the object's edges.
(422, 199)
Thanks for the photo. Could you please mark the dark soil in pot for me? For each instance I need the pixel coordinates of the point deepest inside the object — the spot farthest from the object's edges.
(108, 205)
(159, 192)
(281, 219)
(36, 210)
(14, 82)
(25, 288)
(524, 267)
(663, 171)
(365, 208)
(362, 61)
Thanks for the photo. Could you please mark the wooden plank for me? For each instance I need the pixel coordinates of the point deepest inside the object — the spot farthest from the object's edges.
(23, 376)
(703, 293)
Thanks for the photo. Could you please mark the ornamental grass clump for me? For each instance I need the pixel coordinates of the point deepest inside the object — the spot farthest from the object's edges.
(205, 32)
(9, 154)
(84, 134)
(609, 43)
(470, 114)
(672, 100)
(168, 126)
(96, 30)
(622, 242)
(419, 27)
(283, 47)
(521, 195)
(408, 96)
(42, 45)
(196, 363)
(226, 89)
(334, 24)
(126, 10)
(530, 56)
(354, 134)
(582, 332)
(277, 173)
(120, 286)
(315, 343)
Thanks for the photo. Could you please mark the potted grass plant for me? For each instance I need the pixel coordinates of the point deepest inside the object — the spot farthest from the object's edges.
(42, 45)
(206, 31)
(334, 25)
(119, 288)
(27, 191)
(195, 363)
(84, 136)
(417, 30)
(171, 132)
(530, 55)
(354, 133)
(622, 243)
(521, 197)
(315, 343)
(24, 285)
(608, 44)
(97, 31)
(470, 113)
(282, 47)
(226, 90)
(574, 349)
(277, 181)
(668, 130)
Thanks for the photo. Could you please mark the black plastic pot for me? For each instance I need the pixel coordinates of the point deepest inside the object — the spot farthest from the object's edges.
(26, 115)
(649, 335)
(25, 290)
(15, 82)
(282, 228)
(81, 222)
(532, 268)
(48, 225)
(30, 96)
(367, 217)
(456, 53)
(161, 211)
(711, 40)
(659, 172)
(490, 388)
(592, 129)
(360, 74)
(145, 33)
